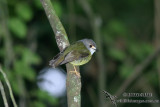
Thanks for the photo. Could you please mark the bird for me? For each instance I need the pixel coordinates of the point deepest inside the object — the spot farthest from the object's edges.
(76, 54)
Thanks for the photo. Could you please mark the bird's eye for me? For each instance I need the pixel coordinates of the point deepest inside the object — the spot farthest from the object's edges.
(90, 46)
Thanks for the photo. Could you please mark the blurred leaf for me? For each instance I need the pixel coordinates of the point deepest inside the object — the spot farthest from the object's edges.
(15, 86)
(135, 50)
(38, 4)
(116, 27)
(44, 96)
(12, 2)
(28, 57)
(152, 77)
(19, 67)
(126, 70)
(24, 11)
(24, 70)
(147, 48)
(140, 50)
(18, 27)
(38, 104)
(116, 54)
(13, 81)
(23, 65)
(2, 52)
(29, 73)
(107, 38)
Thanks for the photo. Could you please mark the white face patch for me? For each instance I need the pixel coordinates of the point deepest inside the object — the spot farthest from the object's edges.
(91, 51)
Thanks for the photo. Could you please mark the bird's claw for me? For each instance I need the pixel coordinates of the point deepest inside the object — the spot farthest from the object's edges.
(75, 72)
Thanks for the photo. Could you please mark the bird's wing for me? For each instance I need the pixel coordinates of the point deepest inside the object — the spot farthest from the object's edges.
(57, 59)
(74, 55)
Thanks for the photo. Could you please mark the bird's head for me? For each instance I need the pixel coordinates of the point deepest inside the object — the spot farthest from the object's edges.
(90, 44)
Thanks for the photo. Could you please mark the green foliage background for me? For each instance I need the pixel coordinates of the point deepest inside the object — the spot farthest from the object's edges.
(27, 43)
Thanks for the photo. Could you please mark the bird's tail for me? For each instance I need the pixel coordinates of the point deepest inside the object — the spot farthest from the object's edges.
(56, 61)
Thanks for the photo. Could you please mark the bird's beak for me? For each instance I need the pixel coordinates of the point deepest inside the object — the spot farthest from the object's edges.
(94, 48)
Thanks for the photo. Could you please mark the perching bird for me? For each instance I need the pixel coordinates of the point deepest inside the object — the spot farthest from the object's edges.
(77, 54)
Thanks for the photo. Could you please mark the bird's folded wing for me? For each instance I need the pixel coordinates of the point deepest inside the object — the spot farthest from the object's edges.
(74, 55)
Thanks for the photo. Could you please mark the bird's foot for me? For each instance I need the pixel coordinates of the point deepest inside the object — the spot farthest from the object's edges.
(75, 72)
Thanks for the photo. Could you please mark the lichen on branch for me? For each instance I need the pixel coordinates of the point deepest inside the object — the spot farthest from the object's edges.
(60, 33)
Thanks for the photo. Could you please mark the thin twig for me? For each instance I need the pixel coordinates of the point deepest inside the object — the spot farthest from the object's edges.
(10, 54)
(112, 98)
(9, 87)
(95, 23)
(157, 33)
(73, 81)
(71, 18)
(3, 94)
(138, 70)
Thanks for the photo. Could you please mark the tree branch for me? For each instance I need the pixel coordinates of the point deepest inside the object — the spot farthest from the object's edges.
(73, 81)
(60, 33)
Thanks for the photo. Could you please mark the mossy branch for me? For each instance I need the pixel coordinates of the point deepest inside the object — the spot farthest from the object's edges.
(73, 81)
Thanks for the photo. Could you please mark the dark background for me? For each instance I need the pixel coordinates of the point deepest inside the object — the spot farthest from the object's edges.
(124, 30)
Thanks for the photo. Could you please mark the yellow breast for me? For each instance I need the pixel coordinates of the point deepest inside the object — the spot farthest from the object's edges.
(81, 61)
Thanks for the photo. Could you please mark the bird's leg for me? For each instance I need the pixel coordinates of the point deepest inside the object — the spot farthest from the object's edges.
(75, 71)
